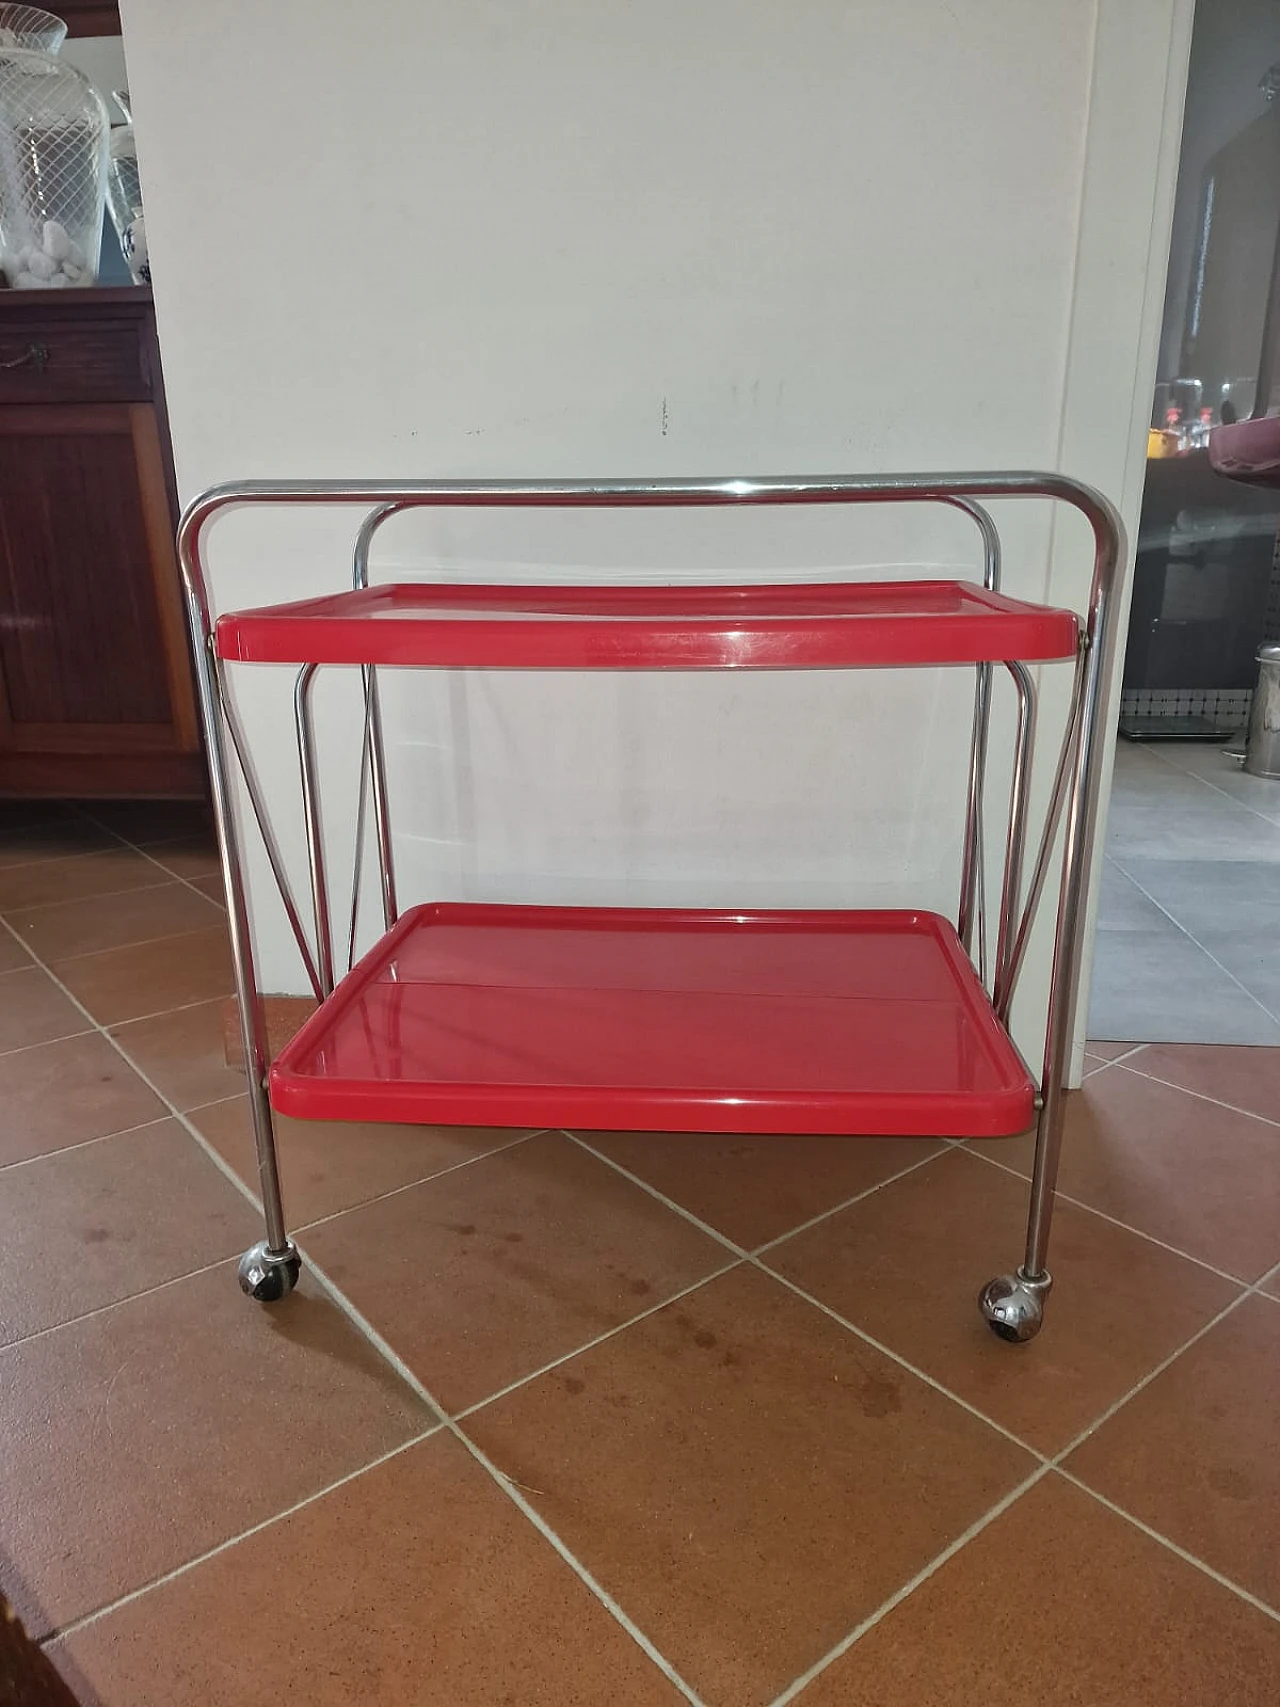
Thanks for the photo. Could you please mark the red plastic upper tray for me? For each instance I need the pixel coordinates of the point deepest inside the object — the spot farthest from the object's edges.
(658, 1020)
(688, 628)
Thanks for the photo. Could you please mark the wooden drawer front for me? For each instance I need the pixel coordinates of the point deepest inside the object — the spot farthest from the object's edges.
(52, 363)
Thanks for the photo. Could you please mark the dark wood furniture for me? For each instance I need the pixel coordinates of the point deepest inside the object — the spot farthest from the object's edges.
(87, 17)
(95, 678)
(1201, 579)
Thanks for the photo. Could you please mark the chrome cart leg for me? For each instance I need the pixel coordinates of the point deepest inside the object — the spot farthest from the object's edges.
(269, 1269)
(312, 824)
(374, 746)
(1013, 1304)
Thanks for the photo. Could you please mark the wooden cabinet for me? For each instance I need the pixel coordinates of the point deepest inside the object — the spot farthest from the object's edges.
(88, 17)
(95, 679)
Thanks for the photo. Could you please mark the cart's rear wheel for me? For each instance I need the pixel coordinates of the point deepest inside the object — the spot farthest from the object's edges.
(268, 1275)
(1013, 1305)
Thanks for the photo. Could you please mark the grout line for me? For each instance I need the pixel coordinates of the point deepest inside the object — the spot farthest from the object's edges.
(1203, 1096)
(1172, 1546)
(1106, 1416)
(223, 1167)
(158, 1013)
(16, 913)
(723, 1238)
(590, 1345)
(1196, 943)
(896, 1357)
(44, 1042)
(84, 1143)
(410, 1185)
(1115, 1060)
(173, 876)
(115, 1303)
(89, 1618)
(1089, 1209)
(71, 859)
(652, 1191)
(601, 1593)
(1226, 794)
(143, 942)
(367, 1330)
(908, 1588)
(870, 1191)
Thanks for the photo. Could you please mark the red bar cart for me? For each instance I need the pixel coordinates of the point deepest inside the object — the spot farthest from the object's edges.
(851, 1022)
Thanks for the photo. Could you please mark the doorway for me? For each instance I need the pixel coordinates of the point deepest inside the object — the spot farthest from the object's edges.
(1188, 946)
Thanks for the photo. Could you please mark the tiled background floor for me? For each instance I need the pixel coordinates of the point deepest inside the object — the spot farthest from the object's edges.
(1188, 944)
(606, 1419)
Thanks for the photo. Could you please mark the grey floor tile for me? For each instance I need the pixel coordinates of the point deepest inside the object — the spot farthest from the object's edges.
(1160, 987)
(1212, 766)
(1253, 958)
(1187, 821)
(1122, 906)
(1208, 896)
(1188, 846)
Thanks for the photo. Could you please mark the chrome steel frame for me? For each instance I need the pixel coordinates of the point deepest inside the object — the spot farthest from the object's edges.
(1013, 1304)
(312, 825)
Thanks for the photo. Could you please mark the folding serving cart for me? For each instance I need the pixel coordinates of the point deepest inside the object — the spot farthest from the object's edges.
(886, 1022)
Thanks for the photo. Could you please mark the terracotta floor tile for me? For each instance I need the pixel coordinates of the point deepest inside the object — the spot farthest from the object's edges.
(1106, 1618)
(188, 856)
(753, 1188)
(108, 871)
(20, 815)
(1202, 1178)
(92, 1225)
(482, 1276)
(329, 1165)
(182, 1053)
(12, 954)
(907, 1265)
(746, 1478)
(419, 1582)
(145, 821)
(152, 1431)
(86, 927)
(34, 1010)
(1245, 1078)
(1195, 1453)
(211, 887)
(150, 978)
(62, 1093)
(50, 837)
(1108, 1051)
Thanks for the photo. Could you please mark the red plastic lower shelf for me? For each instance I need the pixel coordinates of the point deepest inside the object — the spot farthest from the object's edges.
(650, 1019)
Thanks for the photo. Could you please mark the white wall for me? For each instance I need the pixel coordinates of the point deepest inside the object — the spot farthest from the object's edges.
(596, 237)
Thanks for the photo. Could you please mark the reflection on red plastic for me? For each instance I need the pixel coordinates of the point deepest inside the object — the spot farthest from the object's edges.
(652, 1019)
(691, 628)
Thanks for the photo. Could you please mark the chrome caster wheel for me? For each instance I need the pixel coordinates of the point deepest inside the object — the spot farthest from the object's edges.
(1013, 1305)
(266, 1275)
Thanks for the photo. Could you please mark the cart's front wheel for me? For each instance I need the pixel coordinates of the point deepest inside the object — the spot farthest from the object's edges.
(268, 1275)
(1013, 1305)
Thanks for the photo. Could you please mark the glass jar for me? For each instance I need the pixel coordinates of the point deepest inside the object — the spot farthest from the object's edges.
(53, 157)
(124, 193)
